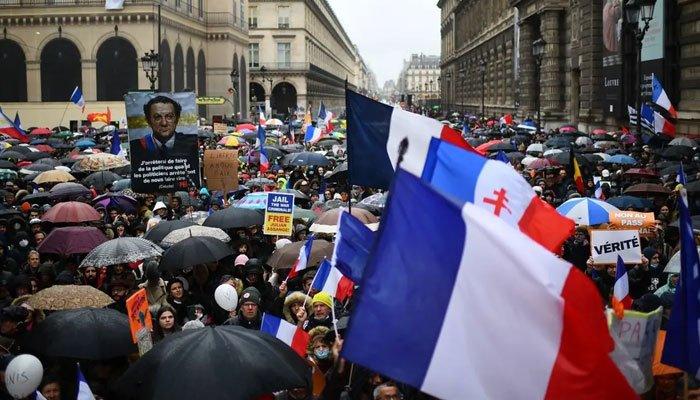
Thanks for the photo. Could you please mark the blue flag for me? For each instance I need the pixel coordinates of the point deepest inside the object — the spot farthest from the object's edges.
(116, 143)
(352, 245)
(680, 177)
(264, 162)
(501, 156)
(465, 128)
(682, 347)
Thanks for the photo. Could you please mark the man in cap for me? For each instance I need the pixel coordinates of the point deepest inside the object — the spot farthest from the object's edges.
(249, 315)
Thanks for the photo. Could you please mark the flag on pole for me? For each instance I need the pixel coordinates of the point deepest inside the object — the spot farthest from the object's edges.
(77, 98)
(682, 347)
(324, 119)
(576, 172)
(465, 128)
(647, 118)
(264, 162)
(330, 280)
(303, 259)
(680, 176)
(598, 193)
(116, 147)
(104, 117)
(496, 187)
(84, 392)
(17, 121)
(662, 125)
(352, 245)
(659, 97)
(261, 118)
(313, 134)
(292, 335)
(621, 299)
(459, 256)
(9, 128)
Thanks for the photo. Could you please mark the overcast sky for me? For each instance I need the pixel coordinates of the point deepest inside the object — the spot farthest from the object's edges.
(388, 31)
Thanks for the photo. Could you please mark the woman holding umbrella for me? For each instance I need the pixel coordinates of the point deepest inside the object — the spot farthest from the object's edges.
(165, 323)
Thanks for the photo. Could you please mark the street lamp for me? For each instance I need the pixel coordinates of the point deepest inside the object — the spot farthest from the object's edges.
(234, 86)
(538, 52)
(638, 11)
(482, 71)
(263, 71)
(149, 63)
(448, 90)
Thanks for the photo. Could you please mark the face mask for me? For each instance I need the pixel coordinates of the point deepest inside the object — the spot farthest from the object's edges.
(24, 243)
(322, 353)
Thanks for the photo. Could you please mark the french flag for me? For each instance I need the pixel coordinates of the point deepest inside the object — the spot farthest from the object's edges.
(496, 188)
(292, 335)
(621, 299)
(376, 131)
(324, 119)
(680, 175)
(313, 134)
(353, 242)
(663, 125)
(84, 392)
(330, 280)
(77, 98)
(659, 96)
(303, 259)
(261, 120)
(598, 193)
(459, 339)
(11, 128)
(264, 162)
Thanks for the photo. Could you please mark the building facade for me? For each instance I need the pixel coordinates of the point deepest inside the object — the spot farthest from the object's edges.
(586, 74)
(420, 79)
(51, 46)
(299, 56)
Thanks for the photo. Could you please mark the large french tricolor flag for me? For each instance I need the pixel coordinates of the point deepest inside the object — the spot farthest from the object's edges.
(330, 280)
(497, 188)
(353, 242)
(290, 334)
(659, 96)
(303, 259)
(375, 134)
(312, 134)
(621, 299)
(264, 162)
(453, 300)
(12, 129)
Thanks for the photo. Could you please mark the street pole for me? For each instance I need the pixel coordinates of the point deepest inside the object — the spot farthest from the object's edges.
(537, 93)
(159, 52)
(639, 87)
(483, 93)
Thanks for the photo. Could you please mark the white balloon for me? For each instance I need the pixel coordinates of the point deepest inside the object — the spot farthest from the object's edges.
(23, 375)
(226, 297)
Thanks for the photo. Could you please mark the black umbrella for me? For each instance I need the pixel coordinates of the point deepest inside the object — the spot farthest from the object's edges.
(34, 155)
(36, 167)
(4, 164)
(306, 158)
(69, 190)
(293, 148)
(84, 333)
(11, 155)
(339, 174)
(192, 251)
(37, 198)
(232, 217)
(558, 142)
(273, 153)
(161, 230)
(20, 149)
(677, 152)
(223, 362)
(506, 147)
(564, 158)
(101, 179)
(48, 161)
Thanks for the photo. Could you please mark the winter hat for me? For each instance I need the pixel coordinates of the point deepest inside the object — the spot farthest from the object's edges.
(204, 191)
(315, 334)
(294, 298)
(195, 324)
(281, 243)
(323, 298)
(250, 295)
(649, 252)
(158, 206)
(242, 259)
(253, 266)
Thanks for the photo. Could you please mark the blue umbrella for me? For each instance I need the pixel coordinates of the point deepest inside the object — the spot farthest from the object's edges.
(587, 211)
(121, 184)
(625, 202)
(622, 159)
(85, 143)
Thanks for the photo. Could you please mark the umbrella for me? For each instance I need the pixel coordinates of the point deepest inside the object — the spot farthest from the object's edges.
(7, 164)
(515, 156)
(274, 122)
(683, 141)
(181, 234)
(305, 158)
(339, 174)
(163, 228)
(69, 297)
(292, 148)
(567, 129)
(84, 333)
(604, 144)
(307, 216)
(85, 143)
(253, 201)
(229, 141)
(71, 212)
(647, 189)
(622, 159)
(285, 257)
(192, 251)
(7, 174)
(249, 127)
(641, 173)
(583, 141)
(487, 146)
(35, 156)
(121, 184)
(53, 176)
(233, 217)
(558, 142)
(535, 148)
(37, 198)
(625, 202)
(674, 263)
(121, 250)
(69, 190)
(11, 155)
(528, 160)
(116, 200)
(605, 157)
(99, 162)
(101, 179)
(72, 240)
(195, 218)
(599, 131)
(542, 163)
(552, 152)
(677, 152)
(259, 182)
(376, 200)
(587, 211)
(506, 147)
(328, 221)
(41, 131)
(223, 362)
(36, 167)
(564, 158)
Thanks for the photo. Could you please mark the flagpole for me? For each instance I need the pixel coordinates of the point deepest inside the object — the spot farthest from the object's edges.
(347, 181)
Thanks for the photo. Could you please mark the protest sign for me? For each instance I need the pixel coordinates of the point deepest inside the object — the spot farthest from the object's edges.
(644, 222)
(607, 245)
(140, 320)
(163, 146)
(221, 169)
(637, 332)
(220, 129)
(279, 214)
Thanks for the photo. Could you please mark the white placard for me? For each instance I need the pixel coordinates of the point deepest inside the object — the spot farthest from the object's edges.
(607, 245)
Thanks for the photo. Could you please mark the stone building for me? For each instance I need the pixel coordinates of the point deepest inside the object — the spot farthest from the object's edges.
(49, 47)
(299, 55)
(420, 79)
(487, 51)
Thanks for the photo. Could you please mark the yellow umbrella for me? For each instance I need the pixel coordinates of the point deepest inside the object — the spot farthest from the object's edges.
(232, 141)
(53, 176)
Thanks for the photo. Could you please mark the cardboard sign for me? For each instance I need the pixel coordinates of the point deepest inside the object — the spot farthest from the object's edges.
(221, 169)
(279, 214)
(220, 129)
(607, 245)
(140, 320)
(637, 332)
(644, 222)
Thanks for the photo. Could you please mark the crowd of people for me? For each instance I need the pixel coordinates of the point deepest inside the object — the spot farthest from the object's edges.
(184, 299)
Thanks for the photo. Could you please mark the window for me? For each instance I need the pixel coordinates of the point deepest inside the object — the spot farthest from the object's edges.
(200, 6)
(284, 54)
(254, 55)
(242, 8)
(253, 17)
(283, 17)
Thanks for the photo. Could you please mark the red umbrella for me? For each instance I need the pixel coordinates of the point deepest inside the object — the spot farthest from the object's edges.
(245, 126)
(72, 240)
(567, 129)
(41, 132)
(485, 147)
(44, 148)
(599, 131)
(71, 212)
(542, 163)
(641, 172)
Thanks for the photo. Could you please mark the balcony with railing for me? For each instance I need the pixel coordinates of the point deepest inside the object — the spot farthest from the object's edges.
(277, 66)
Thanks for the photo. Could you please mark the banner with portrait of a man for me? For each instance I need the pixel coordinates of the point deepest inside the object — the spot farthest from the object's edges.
(163, 146)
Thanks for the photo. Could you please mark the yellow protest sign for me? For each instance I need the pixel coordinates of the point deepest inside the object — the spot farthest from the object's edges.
(279, 214)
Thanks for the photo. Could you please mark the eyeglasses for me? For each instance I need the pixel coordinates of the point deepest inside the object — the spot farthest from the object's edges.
(168, 117)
